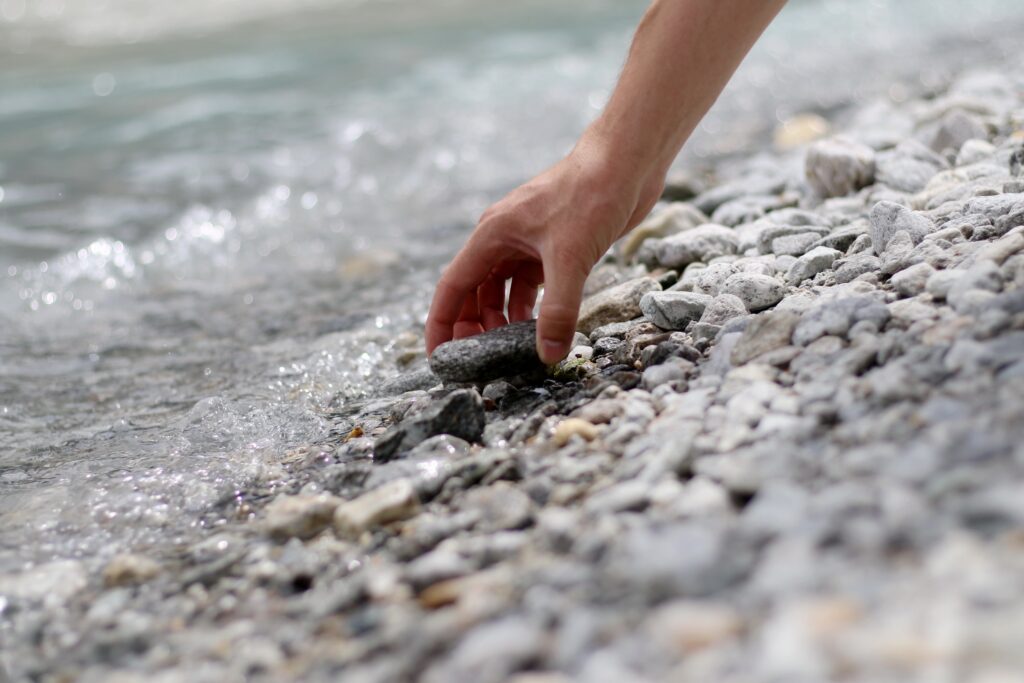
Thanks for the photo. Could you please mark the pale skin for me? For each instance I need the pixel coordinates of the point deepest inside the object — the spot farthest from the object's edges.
(554, 229)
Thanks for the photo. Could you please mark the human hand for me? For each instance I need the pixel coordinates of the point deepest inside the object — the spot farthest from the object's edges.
(550, 231)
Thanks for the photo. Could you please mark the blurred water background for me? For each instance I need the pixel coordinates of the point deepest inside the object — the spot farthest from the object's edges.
(215, 217)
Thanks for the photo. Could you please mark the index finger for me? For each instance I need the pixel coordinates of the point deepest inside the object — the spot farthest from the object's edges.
(464, 274)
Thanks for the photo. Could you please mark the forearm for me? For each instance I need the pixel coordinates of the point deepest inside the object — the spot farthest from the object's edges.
(682, 56)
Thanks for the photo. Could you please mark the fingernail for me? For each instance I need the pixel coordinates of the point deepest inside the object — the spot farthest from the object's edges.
(552, 351)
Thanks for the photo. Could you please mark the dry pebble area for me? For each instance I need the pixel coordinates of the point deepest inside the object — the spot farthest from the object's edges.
(787, 447)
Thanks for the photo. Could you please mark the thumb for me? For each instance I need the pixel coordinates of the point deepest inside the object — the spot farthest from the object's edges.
(559, 309)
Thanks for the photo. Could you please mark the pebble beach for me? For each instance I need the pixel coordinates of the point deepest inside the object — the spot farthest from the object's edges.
(787, 446)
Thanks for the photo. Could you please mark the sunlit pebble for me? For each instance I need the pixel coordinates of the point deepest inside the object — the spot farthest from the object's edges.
(103, 84)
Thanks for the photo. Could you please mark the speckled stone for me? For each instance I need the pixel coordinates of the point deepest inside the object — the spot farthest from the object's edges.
(502, 352)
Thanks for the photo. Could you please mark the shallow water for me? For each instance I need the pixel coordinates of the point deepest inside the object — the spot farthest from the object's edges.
(214, 221)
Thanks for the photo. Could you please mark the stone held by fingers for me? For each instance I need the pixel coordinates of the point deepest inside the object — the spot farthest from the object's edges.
(502, 352)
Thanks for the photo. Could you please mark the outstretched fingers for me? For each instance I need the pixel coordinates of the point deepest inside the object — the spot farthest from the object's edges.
(455, 298)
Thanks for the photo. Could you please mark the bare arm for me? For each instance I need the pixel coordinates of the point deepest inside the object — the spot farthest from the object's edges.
(553, 229)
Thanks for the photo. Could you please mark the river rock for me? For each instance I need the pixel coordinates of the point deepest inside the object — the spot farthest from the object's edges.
(810, 264)
(130, 569)
(839, 166)
(794, 245)
(836, 316)
(722, 308)
(702, 243)
(908, 167)
(674, 218)
(302, 516)
(888, 218)
(756, 291)
(390, 502)
(504, 351)
(460, 414)
(766, 332)
(615, 304)
(956, 128)
(673, 310)
(913, 280)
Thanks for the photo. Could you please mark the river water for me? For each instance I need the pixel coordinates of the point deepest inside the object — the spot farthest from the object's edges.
(217, 218)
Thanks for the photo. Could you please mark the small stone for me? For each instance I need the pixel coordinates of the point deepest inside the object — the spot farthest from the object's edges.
(699, 244)
(302, 516)
(974, 151)
(56, 580)
(957, 127)
(1001, 249)
(756, 291)
(674, 218)
(688, 626)
(837, 316)
(502, 352)
(799, 130)
(393, 501)
(888, 218)
(573, 426)
(722, 308)
(766, 332)
(852, 267)
(498, 507)
(913, 280)
(129, 570)
(838, 166)
(615, 304)
(794, 245)
(908, 167)
(940, 282)
(673, 310)
(461, 413)
(815, 261)
(709, 280)
(672, 370)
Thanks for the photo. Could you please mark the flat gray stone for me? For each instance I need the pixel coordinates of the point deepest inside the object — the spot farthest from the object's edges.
(839, 166)
(912, 281)
(673, 310)
(856, 265)
(837, 316)
(615, 304)
(810, 264)
(766, 332)
(724, 307)
(888, 218)
(756, 291)
(460, 414)
(502, 352)
(699, 244)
